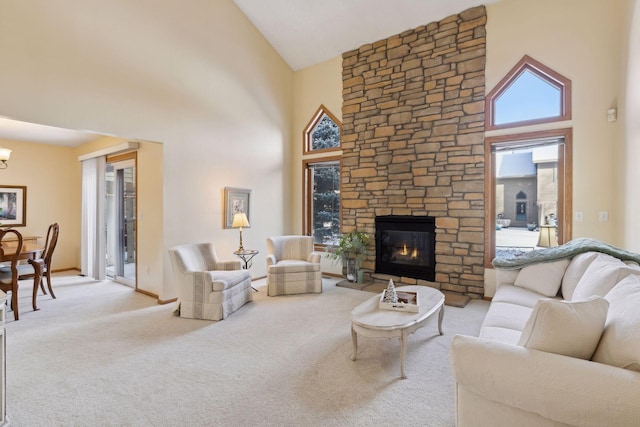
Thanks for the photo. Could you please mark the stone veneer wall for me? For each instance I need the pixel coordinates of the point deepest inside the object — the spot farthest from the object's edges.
(413, 141)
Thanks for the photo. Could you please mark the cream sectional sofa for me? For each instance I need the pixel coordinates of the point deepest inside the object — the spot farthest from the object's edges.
(560, 344)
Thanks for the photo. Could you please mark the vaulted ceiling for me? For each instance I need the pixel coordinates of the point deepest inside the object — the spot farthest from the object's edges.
(306, 32)
(303, 32)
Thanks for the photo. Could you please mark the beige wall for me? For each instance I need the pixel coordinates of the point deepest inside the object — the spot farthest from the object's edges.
(51, 175)
(149, 208)
(150, 217)
(195, 76)
(628, 194)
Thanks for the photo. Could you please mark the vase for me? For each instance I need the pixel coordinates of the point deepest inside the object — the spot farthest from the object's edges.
(351, 270)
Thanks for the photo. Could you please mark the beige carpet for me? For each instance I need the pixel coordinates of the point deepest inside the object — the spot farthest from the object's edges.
(103, 355)
(453, 300)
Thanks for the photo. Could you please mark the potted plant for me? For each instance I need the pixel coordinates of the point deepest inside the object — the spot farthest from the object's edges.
(351, 248)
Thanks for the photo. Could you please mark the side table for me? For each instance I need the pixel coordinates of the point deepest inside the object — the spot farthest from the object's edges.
(246, 255)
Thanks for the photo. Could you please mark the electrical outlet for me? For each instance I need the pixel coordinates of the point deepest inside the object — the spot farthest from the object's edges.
(603, 216)
(579, 216)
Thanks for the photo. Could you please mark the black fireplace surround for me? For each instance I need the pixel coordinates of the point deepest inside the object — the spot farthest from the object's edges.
(405, 246)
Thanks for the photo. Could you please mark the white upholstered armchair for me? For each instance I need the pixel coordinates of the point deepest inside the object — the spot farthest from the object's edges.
(292, 266)
(208, 288)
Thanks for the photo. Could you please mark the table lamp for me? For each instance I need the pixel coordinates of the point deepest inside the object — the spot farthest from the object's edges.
(547, 236)
(240, 220)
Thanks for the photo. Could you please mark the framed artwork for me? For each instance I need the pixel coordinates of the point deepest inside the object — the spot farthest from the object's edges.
(13, 206)
(236, 200)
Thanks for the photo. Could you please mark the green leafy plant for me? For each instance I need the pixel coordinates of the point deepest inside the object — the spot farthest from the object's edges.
(352, 245)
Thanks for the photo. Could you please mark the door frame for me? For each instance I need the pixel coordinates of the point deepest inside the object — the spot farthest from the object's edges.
(119, 158)
(565, 184)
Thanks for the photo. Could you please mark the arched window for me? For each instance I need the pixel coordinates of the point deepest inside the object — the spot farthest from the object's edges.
(321, 164)
(322, 133)
(530, 93)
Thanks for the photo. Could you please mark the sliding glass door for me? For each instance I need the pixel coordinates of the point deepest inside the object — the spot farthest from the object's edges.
(120, 218)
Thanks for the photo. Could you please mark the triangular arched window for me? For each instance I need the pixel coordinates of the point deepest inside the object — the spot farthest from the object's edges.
(323, 132)
(530, 93)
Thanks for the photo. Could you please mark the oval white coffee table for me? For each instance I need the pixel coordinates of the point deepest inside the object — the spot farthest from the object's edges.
(370, 321)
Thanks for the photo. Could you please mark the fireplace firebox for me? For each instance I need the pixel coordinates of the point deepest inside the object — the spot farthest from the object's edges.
(405, 246)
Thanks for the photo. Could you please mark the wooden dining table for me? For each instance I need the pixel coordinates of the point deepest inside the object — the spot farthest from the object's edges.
(30, 250)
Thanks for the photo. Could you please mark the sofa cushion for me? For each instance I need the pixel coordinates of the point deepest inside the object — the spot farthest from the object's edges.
(516, 295)
(620, 343)
(575, 271)
(504, 322)
(600, 277)
(293, 266)
(570, 328)
(544, 278)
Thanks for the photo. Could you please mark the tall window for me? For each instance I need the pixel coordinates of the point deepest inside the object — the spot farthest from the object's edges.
(528, 173)
(321, 164)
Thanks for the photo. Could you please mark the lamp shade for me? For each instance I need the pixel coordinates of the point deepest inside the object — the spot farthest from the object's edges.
(240, 220)
(5, 154)
(547, 236)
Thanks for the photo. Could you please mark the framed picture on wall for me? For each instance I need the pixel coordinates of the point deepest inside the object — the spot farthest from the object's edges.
(236, 200)
(13, 206)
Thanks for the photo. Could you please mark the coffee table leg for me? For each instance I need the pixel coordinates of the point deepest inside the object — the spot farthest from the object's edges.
(440, 316)
(403, 352)
(354, 339)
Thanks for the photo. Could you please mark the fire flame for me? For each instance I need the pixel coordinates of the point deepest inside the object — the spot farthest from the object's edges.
(405, 251)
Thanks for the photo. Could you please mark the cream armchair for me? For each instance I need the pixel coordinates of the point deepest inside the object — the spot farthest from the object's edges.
(292, 266)
(207, 287)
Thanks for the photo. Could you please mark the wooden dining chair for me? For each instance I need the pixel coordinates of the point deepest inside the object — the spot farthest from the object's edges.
(9, 276)
(42, 265)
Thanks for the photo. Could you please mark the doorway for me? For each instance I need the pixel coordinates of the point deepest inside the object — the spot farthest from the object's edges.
(120, 219)
(528, 180)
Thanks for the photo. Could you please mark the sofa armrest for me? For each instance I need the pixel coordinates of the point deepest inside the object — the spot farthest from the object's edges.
(314, 257)
(194, 281)
(271, 260)
(560, 388)
(228, 265)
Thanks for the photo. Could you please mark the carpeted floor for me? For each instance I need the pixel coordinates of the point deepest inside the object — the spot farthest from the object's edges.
(103, 355)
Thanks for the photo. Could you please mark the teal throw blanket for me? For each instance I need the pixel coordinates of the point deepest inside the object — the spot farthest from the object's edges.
(568, 250)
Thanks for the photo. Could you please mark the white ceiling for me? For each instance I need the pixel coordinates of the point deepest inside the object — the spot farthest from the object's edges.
(307, 32)
(303, 32)
(29, 132)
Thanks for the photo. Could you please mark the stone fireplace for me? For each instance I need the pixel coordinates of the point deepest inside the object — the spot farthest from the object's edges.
(413, 143)
(405, 246)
